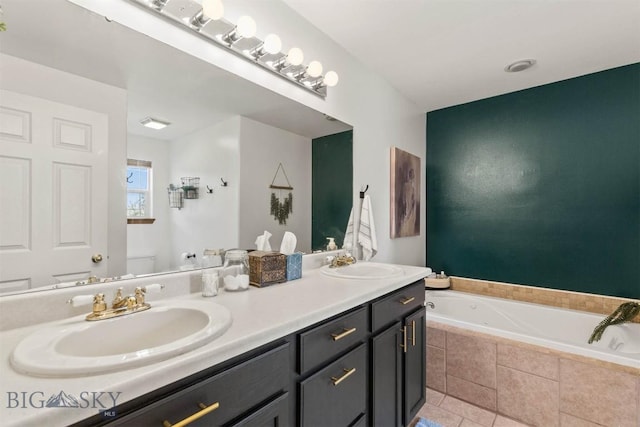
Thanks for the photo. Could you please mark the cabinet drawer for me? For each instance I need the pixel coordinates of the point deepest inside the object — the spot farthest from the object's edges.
(236, 391)
(275, 413)
(336, 395)
(396, 305)
(331, 338)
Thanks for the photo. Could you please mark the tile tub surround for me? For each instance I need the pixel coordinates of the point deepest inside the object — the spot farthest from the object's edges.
(600, 304)
(260, 316)
(534, 385)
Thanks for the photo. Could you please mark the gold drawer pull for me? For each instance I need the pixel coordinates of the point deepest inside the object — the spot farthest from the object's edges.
(407, 301)
(343, 334)
(205, 410)
(347, 372)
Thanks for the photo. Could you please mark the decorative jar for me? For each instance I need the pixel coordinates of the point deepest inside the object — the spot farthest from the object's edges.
(236, 270)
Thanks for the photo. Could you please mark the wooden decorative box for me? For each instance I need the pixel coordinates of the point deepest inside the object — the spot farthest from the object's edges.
(267, 268)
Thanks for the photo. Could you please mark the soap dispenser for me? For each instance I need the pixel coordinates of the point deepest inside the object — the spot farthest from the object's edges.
(331, 246)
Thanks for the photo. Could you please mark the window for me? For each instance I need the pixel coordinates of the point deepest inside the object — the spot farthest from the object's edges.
(139, 196)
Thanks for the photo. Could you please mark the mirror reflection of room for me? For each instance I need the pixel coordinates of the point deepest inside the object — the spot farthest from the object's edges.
(110, 201)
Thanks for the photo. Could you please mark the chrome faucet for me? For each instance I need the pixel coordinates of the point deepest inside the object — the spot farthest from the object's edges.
(430, 304)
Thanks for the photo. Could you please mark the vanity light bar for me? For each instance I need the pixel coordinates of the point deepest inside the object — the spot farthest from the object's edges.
(240, 39)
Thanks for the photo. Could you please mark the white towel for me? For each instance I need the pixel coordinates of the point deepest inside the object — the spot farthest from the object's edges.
(348, 234)
(367, 230)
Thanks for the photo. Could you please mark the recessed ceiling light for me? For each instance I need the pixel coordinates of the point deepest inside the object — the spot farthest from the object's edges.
(521, 65)
(154, 123)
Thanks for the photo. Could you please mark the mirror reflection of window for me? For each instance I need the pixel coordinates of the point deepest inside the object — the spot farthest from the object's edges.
(139, 194)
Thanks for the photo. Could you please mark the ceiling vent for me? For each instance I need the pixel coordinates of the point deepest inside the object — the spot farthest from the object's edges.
(520, 65)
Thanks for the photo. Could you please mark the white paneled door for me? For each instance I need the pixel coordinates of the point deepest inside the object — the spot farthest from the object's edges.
(53, 192)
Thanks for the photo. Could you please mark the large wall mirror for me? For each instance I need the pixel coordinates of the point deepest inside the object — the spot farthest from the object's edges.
(75, 159)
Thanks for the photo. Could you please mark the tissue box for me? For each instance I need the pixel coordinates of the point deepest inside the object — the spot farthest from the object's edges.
(267, 268)
(294, 266)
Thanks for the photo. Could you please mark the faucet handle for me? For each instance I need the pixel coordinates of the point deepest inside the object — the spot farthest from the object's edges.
(99, 305)
(118, 298)
(139, 296)
(155, 287)
(98, 302)
(80, 300)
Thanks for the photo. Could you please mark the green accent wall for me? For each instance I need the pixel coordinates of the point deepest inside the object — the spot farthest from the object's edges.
(332, 186)
(541, 186)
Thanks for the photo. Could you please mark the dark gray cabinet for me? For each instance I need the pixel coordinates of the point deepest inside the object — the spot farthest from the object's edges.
(327, 340)
(362, 367)
(398, 357)
(386, 374)
(414, 375)
(253, 390)
(333, 361)
(337, 394)
(273, 414)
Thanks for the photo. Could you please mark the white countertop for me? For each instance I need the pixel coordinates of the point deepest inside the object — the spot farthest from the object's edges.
(260, 316)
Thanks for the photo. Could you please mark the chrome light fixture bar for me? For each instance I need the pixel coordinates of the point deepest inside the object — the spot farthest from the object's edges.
(205, 19)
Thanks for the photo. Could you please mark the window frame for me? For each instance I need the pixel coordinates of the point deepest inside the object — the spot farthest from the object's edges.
(148, 192)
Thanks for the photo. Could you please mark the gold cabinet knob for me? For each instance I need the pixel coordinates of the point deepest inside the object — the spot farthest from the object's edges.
(96, 258)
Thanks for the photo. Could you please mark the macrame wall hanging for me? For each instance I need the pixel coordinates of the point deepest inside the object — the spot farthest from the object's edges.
(280, 209)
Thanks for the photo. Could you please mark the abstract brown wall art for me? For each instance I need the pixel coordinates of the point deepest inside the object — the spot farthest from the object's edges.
(405, 194)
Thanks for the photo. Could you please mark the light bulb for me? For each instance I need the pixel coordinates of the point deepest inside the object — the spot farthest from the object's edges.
(295, 56)
(213, 9)
(331, 78)
(272, 44)
(246, 27)
(314, 69)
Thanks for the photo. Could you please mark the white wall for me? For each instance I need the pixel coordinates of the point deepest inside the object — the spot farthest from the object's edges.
(151, 239)
(211, 221)
(36, 80)
(381, 117)
(262, 148)
(246, 154)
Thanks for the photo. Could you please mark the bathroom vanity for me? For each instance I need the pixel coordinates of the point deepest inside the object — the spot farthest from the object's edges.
(317, 351)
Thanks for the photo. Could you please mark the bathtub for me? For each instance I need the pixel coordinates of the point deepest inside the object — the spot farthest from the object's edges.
(556, 328)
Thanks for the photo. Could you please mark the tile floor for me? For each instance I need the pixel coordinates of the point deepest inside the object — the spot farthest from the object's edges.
(451, 412)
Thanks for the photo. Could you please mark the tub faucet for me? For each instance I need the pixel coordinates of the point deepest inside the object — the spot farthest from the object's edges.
(624, 313)
(430, 304)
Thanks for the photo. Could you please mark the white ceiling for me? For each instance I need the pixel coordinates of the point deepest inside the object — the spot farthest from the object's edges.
(440, 53)
(437, 53)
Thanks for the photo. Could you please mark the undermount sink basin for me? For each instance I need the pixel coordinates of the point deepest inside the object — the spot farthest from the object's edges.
(364, 270)
(75, 347)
